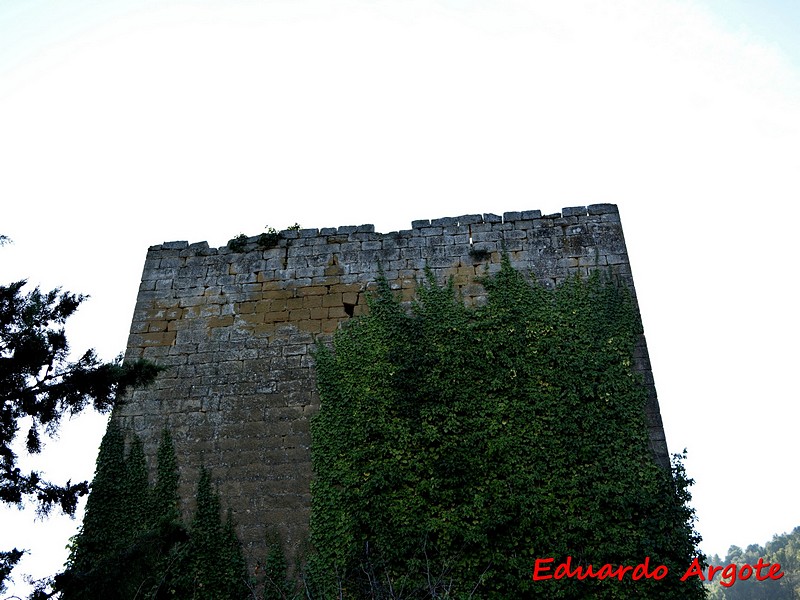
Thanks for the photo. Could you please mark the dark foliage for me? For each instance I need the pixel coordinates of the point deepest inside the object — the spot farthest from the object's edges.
(125, 535)
(276, 583)
(133, 544)
(38, 381)
(211, 564)
(783, 549)
(39, 385)
(455, 446)
(7, 562)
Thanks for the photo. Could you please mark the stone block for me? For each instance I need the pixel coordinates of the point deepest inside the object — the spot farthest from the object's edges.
(574, 211)
(164, 338)
(429, 231)
(481, 228)
(346, 287)
(469, 219)
(174, 245)
(157, 326)
(317, 290)
(616, 259)
(332, 299)
(485, 247)
(311, 301)
(565, 221)
(488, 236)
(337, 312)
(299, 314)
(452, 231)
(330, 325)
(514, 234)
(602, 209)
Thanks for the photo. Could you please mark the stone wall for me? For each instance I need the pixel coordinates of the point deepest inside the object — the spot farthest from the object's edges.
(236, 329)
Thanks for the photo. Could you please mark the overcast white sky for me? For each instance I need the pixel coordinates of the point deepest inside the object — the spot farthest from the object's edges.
(125, 124)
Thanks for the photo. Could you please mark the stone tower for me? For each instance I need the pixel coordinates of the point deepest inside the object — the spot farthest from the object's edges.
(235, 327)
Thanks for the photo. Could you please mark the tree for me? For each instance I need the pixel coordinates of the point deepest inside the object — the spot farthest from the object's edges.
(211, 565)
(39, 384)
(783, 549)
(131, 535)
(104, 545)
(133, 544)
(276, 584)
(454, 446)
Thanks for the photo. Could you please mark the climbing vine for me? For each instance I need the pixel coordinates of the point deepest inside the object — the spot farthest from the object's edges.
(133, 544)
(454, 446)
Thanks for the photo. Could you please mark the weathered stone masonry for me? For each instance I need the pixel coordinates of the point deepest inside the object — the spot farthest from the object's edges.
(236, 329)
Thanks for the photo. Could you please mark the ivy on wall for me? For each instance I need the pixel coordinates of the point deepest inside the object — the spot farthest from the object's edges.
(454, 446)
(277, 586)
(132, 543)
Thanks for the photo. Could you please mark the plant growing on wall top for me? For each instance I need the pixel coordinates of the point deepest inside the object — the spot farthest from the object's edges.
(269, 239)
(238, 243)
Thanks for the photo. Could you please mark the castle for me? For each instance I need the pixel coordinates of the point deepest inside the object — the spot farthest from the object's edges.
(236, 325)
